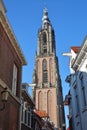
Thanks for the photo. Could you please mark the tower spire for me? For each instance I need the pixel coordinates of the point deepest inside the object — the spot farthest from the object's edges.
(45, 18)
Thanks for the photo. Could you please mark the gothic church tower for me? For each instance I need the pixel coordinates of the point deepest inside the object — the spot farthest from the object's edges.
(48, 91)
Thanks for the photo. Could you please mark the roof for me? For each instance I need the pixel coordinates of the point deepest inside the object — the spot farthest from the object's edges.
(81, 56)
(41, 113)
(76, 49)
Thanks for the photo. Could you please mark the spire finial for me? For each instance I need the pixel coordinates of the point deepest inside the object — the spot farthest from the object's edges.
(45, 18)
(44, 4)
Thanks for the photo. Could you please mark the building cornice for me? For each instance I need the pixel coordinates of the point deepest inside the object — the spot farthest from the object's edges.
(2, 7)
(80, 56)
(12, 38)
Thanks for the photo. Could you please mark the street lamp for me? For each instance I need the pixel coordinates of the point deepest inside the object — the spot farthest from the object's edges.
(4, 98)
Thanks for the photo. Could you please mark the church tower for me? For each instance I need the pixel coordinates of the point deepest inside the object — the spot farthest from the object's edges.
(47, 93)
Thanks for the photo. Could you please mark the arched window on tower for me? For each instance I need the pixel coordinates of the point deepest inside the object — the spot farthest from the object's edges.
(45, 72)
(51, 70)
(40, 100)
(49, 104)
(44, 43)
(38, 70)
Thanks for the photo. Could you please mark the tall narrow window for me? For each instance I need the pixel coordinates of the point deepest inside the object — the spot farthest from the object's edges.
(51, 70)
(38, 70)
(25, 121)
(45, 73)
(49, 103)
(22, 112)
(14, 82)
(29, 117)
(40, 100)
(44, 39)
(44, 42)
(83, 90)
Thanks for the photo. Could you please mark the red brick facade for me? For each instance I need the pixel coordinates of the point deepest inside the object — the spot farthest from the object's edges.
(48, 90)
(8, 58)
(10, 55)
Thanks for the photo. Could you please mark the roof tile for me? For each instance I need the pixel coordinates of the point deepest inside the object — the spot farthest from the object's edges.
(76, 49)
(41, 113)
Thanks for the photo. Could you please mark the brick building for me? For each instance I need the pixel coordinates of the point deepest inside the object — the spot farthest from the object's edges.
(11, 62)
(32, 119)
(42, 121)
(48, 90)
(27, 109)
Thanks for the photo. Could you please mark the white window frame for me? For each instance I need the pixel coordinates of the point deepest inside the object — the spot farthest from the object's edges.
(14, 81)
(29, 116)
(26, 108)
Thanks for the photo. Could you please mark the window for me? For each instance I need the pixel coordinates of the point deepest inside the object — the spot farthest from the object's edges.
(22, 112)
(44, 43)
(51, 71)
(26, 114)
(83, 90)
(40, 100)
(14, 82)
(25, 120)
(29, 117)
(45, 72)
(44, 39)
(38, 70)
(72, 60)
(49, 103)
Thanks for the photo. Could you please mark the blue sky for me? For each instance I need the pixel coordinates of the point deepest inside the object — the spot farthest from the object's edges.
(68, 18)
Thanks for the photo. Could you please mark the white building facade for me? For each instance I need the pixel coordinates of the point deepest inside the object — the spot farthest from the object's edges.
(77, 96)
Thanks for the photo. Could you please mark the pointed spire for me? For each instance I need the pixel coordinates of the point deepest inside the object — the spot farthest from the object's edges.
(45, 18)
